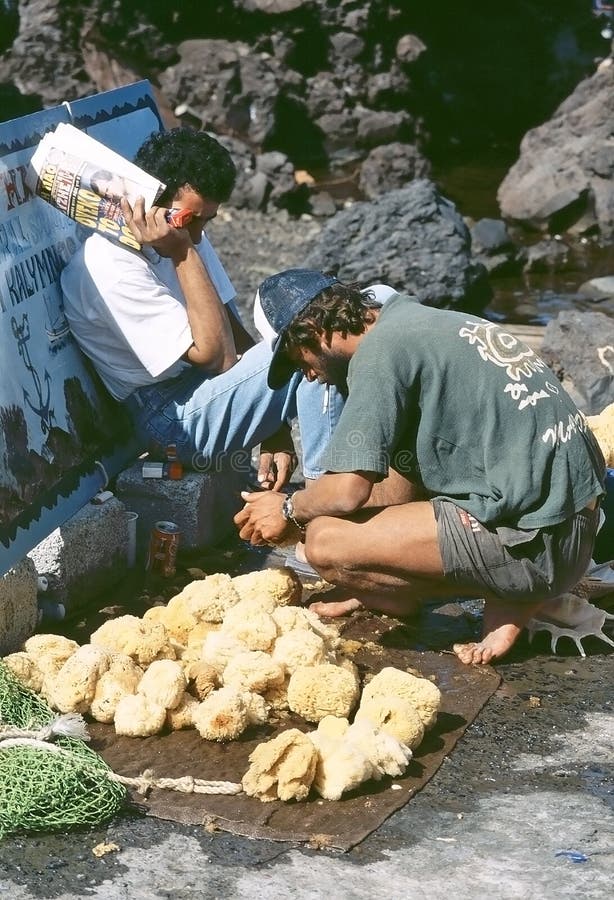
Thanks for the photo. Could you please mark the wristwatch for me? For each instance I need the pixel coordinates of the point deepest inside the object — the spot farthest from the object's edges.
(287, 511)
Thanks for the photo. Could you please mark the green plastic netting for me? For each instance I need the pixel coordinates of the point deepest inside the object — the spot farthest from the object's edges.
(65, 786)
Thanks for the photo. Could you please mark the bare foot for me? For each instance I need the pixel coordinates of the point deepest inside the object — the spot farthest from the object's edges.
(342, 601)
(495, 644)
(332, 609)
(503, 623)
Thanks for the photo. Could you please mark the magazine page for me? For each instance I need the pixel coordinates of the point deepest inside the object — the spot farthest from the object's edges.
(81, 144)
(86, 181)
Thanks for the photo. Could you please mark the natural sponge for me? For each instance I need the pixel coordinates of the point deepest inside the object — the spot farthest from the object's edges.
(282, 768)
(142, 640)
(323, 690)
(253, 670)
(277, 586)
(163, 683)
(120, 679)
(341, 767)
(250, 624)
(24, 668)
(602, 426)
(49, 652)
(421, 693)
(176, 618)
(393, 715)
(299, 648)
(223, 716)
(74, 686)
(137, 716)
(209, 599)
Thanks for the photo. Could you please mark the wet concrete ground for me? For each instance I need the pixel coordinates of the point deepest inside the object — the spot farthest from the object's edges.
(522, 808)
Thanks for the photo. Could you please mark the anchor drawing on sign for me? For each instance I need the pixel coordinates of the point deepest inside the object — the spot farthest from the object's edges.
(43, 410)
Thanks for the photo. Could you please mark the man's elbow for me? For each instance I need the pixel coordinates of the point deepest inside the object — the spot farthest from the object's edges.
(214, 362)
(352, 494)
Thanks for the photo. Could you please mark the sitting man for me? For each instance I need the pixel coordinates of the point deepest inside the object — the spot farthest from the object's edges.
(164, 334)
(459, 465)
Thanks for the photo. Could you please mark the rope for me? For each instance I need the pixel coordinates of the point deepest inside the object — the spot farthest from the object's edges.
(143, 783)
(67, 725)
(185, 785)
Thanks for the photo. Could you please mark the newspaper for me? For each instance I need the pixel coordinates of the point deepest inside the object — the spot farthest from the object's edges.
(86, 181)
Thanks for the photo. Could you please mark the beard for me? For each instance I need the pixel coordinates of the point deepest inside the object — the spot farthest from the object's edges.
(335, 371)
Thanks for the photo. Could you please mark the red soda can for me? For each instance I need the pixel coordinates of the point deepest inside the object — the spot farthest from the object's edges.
(163, 545)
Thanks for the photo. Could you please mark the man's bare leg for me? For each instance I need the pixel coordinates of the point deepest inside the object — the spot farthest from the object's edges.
(342, 602)
(388, 559)
(371, 557)
(392, 491)
(503, 623)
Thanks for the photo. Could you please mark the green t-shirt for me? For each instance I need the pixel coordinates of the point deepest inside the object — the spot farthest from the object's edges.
(461, 406)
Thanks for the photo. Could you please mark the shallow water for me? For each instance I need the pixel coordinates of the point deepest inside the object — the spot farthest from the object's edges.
(527, 298)
(535, 298)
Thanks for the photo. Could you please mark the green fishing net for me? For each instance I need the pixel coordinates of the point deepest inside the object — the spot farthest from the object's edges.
(67, 785)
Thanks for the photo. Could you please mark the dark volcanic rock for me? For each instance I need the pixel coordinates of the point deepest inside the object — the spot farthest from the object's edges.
(337, 85)
(390, 167)
(493, 247)
(565, 174)
(230, 88)
(413, 239)
(579, 346)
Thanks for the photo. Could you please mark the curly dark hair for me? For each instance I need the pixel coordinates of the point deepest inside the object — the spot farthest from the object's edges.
(341, 307)
(182, 156)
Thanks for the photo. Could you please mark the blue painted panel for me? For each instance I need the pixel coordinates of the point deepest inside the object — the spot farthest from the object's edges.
(61, 434)
(121, 119)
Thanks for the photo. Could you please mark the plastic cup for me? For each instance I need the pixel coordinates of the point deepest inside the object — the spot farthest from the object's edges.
(131, 519)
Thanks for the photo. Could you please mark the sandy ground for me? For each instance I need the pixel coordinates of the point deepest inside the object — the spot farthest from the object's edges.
(253, 246)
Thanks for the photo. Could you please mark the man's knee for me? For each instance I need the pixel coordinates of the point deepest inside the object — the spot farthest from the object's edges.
(322, 544)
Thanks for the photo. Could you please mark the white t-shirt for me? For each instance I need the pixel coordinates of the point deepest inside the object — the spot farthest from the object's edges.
(127, 312)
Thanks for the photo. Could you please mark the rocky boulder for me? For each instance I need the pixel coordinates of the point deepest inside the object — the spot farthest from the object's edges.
(579, 347)
(493, 247)
(231, 89)
(322, 82)
(391, 166)
(564, 178)
(413, 239)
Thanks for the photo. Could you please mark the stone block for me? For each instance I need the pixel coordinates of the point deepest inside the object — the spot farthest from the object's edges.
(86, 555)
(201, 504)
(18, 606)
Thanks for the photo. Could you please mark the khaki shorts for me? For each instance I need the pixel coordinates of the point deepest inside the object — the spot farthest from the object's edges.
(510, 563)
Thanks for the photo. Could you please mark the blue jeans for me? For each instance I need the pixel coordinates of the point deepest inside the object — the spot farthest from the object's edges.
(215, 421)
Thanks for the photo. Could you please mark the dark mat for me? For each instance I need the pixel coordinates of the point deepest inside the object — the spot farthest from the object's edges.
(336, 824)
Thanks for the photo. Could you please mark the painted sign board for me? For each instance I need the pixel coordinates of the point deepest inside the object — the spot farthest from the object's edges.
(61, 435)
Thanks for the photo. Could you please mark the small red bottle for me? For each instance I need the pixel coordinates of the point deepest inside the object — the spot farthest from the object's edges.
(173, 467)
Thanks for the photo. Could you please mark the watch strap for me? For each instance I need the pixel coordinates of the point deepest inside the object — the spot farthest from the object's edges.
(287, 511)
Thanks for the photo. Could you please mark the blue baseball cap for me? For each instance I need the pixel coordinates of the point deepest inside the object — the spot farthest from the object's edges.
(282, 297)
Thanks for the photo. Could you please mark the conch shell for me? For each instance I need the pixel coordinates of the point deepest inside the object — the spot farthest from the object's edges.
(571, 616)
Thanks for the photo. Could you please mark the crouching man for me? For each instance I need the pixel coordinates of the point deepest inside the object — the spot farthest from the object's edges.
(459, 466)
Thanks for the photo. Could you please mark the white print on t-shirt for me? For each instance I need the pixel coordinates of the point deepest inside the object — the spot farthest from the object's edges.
(564, 431)
(504, 350)
(519, 361)
(521, 392)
